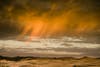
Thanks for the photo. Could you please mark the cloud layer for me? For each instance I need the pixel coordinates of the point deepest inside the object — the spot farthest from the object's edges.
(66, 46)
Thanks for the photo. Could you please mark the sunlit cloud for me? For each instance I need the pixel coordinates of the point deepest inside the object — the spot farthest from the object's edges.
(48, 46)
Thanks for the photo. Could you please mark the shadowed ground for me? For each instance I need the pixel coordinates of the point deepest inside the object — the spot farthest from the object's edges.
(49, 62)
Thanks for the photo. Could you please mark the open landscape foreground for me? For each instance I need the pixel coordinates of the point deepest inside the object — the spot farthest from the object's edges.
(49, 62)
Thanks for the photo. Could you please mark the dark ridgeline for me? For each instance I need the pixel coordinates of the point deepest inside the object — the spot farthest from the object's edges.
(19, 58)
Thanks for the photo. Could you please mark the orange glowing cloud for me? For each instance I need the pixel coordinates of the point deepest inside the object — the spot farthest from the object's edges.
(38, 26)
(46, 25)
(85, 26)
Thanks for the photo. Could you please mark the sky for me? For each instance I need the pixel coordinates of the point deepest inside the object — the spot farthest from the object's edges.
(22, 21)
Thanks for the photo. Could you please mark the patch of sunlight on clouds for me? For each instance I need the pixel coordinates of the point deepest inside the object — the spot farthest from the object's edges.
(84, 45)
(55, 52)
(48, 43)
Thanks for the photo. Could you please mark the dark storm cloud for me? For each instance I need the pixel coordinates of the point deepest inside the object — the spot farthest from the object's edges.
(85, 5)
(9, 9)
